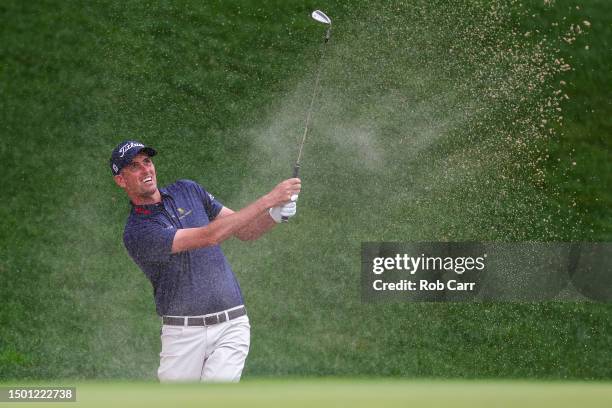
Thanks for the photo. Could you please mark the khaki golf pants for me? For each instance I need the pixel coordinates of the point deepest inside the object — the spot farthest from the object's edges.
(215, 353)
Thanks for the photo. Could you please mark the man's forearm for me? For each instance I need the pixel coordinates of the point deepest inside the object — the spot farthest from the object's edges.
(256, 228)
(220, 229)
(229, 223)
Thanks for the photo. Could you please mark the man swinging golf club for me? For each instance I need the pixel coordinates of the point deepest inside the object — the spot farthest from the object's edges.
(173, 235)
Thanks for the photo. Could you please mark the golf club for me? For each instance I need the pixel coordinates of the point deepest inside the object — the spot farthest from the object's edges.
(321, 17)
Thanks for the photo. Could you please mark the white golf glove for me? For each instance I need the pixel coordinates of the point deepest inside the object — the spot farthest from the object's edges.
(288, 210)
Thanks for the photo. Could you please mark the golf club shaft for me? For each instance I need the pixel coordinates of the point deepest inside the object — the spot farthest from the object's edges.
(296, 167)
(312, 99)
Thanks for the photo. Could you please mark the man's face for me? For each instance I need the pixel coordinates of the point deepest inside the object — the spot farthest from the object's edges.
(138, 178)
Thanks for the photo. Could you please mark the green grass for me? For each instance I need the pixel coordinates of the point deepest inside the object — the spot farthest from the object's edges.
(409, 142)
(334, 392)
(584, 139)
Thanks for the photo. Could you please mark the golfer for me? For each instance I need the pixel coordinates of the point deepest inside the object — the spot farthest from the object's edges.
(173, 235)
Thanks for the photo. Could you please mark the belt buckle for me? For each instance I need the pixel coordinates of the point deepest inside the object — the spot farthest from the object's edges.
(211, 320)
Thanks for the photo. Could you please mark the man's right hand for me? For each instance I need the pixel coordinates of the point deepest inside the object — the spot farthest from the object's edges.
(283, 192)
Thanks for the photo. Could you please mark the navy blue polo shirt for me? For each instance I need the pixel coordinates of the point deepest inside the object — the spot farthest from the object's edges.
(189, 283)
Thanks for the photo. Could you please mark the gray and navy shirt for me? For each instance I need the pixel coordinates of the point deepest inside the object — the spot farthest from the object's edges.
(189, 283)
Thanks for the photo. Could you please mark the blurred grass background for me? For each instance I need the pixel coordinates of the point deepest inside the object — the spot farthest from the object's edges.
(333, 392)
(221, 89)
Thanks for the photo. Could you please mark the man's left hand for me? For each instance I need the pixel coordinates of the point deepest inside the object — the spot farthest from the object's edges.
(288, 210)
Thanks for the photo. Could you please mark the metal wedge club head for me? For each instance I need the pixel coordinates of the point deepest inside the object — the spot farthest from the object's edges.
(321, 17)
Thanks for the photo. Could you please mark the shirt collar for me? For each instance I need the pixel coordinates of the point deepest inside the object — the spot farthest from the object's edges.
(150, 209)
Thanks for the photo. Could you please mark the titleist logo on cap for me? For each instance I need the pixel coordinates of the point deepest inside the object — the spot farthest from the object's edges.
(128, 146)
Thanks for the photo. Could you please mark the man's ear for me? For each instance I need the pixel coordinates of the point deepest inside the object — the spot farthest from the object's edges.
(119, 180)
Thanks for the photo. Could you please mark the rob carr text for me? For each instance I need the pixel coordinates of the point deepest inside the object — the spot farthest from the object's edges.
(423, 285)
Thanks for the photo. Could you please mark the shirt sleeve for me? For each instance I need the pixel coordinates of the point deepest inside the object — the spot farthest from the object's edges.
(149, 241)
(211, 205)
